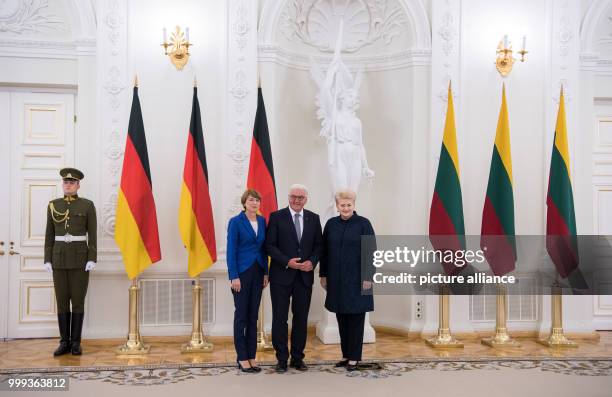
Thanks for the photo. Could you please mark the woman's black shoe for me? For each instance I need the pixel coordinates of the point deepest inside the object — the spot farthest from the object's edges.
(342, 363)
(249, 370)
(352, 367)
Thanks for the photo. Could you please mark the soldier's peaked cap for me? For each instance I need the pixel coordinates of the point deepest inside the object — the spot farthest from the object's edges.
(71, 173)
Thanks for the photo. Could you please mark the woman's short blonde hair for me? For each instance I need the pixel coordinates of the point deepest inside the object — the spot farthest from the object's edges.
(345, 194)
(249, 193)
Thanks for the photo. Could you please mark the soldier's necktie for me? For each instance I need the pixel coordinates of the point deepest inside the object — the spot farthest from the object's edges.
(298, 231)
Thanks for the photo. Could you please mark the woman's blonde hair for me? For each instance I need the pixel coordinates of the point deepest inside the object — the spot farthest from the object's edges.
(249, 193)
(345, 194)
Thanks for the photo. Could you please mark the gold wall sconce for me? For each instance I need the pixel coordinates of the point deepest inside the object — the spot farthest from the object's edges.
(178, 47)
(505, 60)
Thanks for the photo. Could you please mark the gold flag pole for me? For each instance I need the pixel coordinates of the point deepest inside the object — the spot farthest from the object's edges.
(198, 342)
(501, 338)
(134, 344)
(557, 338)
(262, 340)
(444, 339)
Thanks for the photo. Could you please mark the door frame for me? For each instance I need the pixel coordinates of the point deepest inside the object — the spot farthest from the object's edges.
(34, 276)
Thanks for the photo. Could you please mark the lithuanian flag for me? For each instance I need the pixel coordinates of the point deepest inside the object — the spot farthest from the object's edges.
(497, 234)
(261, 168)
(446, 227)
(195, 211)
(136, 230)
(561, 242)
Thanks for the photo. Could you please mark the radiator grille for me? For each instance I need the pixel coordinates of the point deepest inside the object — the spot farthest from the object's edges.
(522, 302)
(169, 301)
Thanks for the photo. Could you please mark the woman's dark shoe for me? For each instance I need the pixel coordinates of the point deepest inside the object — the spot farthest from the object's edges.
(255, 367)
(341, 363)
(352, 367)
(248, 370)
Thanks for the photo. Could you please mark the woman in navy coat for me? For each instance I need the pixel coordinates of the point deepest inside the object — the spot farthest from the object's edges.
(341, 275)
(247, 267)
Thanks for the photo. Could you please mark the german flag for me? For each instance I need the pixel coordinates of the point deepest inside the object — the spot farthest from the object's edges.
(446, 226)
(261, 169)
(196, 222)
(561, 241)
(497, 234)
(136, 230)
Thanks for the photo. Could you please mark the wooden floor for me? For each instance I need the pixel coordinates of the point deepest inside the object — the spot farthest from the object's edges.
(37, 353)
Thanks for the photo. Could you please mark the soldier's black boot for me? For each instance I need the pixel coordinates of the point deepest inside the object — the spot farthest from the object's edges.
(63, 320)
(75, 333)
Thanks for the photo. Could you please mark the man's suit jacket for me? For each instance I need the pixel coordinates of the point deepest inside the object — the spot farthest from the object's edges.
(282, 244)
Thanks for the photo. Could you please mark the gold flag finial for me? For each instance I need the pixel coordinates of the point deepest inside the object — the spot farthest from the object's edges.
(561, 89)
(135, 80)
(195, 81)
(258, 80)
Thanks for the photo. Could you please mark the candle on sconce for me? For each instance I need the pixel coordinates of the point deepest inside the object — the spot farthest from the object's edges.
(165, 36)
(187, 33)
(524, 43)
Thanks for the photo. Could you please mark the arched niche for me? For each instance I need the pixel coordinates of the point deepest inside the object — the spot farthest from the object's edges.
(381, 34)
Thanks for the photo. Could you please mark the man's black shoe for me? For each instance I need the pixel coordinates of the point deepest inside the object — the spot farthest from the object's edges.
(281, 367)
(341, 363)
(298, 364)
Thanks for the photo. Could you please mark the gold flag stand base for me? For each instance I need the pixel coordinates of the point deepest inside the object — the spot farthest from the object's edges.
(262, 341)
(444, 339)
(501, 338)
(557, 337)
(134, 345)
(198, 342)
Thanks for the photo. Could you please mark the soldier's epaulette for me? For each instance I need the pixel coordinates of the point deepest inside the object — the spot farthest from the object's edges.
(57, 200)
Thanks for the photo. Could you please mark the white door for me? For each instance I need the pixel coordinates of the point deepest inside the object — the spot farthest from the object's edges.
(4, 209)
(41, 138)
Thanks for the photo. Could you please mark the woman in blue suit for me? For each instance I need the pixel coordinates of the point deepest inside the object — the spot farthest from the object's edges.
(247, 267)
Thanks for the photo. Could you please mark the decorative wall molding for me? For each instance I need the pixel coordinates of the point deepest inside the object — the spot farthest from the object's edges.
(307, 22)
(28, 16)
(114, 100)
(445, 68)
(80, 18)
(316, 22)
(599, 13)
(241, 100)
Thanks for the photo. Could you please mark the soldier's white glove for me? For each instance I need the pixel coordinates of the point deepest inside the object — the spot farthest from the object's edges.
(90, 266)
(48, 267)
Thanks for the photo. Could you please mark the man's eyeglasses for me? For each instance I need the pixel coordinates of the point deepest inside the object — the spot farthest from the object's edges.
(300, 198)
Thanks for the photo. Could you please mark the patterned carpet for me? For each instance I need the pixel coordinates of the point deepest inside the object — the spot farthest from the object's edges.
(407, 367)
(419, 377)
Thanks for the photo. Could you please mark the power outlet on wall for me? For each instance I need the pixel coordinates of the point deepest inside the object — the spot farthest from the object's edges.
(419, 309)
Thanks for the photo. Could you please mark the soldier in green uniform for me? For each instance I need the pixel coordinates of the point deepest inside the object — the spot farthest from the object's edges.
(70, 253)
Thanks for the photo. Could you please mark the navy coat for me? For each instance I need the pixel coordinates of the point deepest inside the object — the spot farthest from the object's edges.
(341, 264)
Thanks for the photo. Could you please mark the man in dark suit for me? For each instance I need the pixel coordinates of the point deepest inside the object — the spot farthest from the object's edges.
(294, 242)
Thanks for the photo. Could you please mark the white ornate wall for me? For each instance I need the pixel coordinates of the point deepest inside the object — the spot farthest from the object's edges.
(410, 49)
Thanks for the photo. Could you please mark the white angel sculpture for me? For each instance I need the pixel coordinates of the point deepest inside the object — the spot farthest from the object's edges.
(337, 101)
